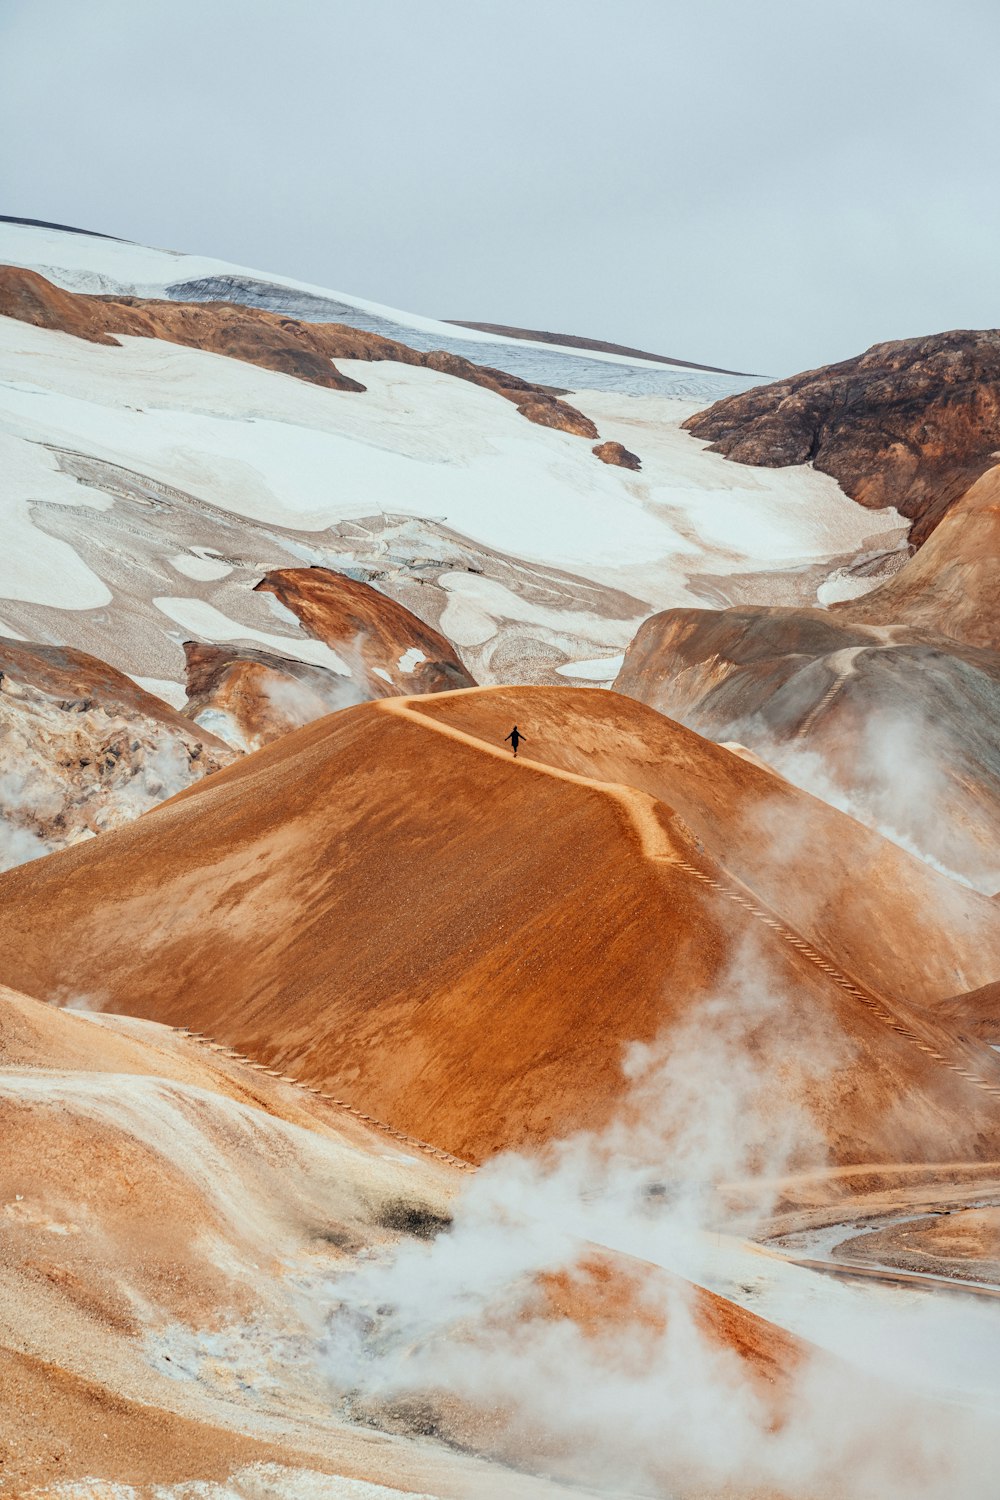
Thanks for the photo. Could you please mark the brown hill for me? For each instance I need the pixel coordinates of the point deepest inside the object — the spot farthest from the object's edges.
(304, 350)
(976, 1013)
(895, 696)
(911, 423)
(250, 696)
(83, 748)
(389, 905)
(397, 653)
(950, 586)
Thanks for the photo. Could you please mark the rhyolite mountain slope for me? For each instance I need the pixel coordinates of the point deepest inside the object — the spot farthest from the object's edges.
(249, 696)
(888, 705)
(702, 1003)
(386, 903)
(174, 1313)
(910, 424)
(950, 585)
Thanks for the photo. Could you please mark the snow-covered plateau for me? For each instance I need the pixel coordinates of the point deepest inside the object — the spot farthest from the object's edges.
(147, 488)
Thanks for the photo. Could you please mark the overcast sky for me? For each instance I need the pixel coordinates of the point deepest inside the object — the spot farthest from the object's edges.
(761, 184)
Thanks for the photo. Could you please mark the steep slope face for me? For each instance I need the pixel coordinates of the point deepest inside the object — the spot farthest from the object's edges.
(888, 705)
(84, 749)
(910, 424)
(512, 956)
(261, 338)
(898, 726)
(976, 1013)
(397, 653)
(950, 586)
(249, 696)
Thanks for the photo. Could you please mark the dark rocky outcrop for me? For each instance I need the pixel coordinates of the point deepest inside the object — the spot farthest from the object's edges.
(911, 423)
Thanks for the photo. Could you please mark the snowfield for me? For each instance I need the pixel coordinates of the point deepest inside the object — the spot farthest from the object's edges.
(148, 487)
(91, 263)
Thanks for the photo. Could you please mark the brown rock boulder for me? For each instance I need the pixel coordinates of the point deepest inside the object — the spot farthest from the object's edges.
(911, 423)
(616, 453)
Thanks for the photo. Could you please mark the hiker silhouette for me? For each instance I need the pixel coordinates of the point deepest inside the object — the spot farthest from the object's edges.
(515, 738)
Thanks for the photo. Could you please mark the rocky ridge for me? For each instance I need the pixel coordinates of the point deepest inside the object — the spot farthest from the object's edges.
(305, 350)
(911, 423)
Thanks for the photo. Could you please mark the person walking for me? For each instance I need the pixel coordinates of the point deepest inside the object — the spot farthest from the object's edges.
(515, 738)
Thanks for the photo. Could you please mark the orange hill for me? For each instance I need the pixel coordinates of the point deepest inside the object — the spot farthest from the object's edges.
(385, 903)
(951, 584)
(252, 696)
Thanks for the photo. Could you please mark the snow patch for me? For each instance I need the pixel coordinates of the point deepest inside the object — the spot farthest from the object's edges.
(163, 687)
(194, 564)
(209, 624)
(599, 669)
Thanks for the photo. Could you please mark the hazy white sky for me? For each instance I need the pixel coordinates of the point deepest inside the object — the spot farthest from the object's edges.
(762, 184)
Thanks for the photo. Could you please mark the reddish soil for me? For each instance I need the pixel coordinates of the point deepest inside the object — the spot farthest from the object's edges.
(389, 905)
(950, 586)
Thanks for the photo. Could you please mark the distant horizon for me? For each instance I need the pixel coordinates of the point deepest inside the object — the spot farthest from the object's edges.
(759, 187)
(554, 335)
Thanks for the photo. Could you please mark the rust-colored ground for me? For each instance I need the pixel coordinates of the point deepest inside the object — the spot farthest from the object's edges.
(389, 905)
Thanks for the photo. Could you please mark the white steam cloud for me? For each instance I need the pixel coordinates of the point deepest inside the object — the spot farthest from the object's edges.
(19, 799)
(449, 1335)
(895, 774)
